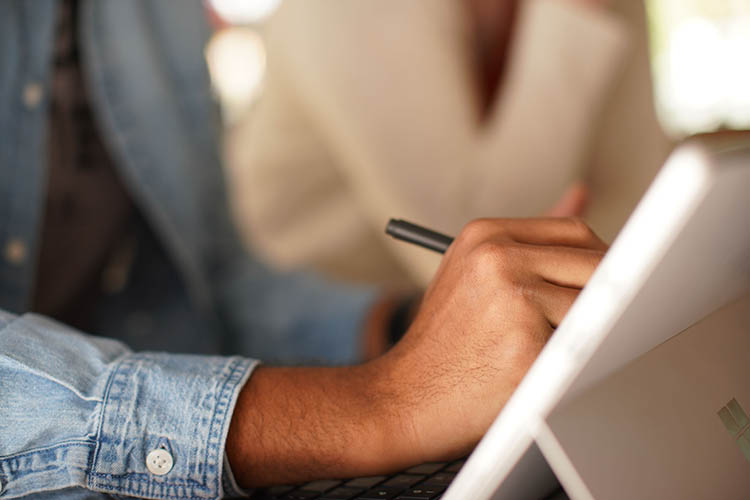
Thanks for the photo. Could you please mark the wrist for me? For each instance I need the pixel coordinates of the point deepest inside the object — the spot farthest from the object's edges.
(297, 424)
(392, 423)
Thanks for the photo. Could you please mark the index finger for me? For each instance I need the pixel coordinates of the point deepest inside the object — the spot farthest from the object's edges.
(556, 231)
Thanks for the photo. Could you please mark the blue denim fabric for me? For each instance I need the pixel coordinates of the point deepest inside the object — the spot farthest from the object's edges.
(79, 413)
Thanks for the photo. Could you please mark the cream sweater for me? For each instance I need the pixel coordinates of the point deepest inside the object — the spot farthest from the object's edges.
(370, 112)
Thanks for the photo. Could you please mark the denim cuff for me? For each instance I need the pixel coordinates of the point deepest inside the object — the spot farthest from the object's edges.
(163, 426)
(231, 488)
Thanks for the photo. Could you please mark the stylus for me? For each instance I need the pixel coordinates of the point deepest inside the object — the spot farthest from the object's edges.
(412, 233)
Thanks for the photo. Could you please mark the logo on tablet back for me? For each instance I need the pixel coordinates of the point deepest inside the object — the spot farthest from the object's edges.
(738, 424)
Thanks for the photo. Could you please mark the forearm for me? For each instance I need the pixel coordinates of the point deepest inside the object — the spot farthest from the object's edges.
(291, 425)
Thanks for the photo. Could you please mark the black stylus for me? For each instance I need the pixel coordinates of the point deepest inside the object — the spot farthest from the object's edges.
(412, 233)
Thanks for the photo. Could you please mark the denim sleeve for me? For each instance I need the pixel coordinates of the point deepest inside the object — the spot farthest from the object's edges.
(292, 317)
(82, 413)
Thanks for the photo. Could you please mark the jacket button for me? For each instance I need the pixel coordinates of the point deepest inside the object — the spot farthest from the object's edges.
(15, 251)
(159, 462)
(32, 94)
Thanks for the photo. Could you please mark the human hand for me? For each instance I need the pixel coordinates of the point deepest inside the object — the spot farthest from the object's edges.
(501, 290)
(375, 337)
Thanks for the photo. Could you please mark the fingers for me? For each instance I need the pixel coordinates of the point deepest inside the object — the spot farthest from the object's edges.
(569, 231)
(549, 277)
(561, 266)
(554, 301)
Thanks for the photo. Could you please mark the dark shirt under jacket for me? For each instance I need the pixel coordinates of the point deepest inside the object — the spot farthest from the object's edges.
(86, 245)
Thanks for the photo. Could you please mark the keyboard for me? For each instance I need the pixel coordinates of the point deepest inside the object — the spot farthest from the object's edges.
(423, 482)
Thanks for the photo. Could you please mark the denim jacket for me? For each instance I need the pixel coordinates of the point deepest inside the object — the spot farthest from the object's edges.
(84, 416)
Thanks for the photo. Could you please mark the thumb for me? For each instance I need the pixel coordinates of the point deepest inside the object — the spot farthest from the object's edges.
(572, 203)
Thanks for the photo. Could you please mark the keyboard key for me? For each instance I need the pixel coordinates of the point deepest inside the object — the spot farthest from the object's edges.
(440, 479)
(419, 492)
(342, 493)
(365, 482)
(380, 493)
(426, 468)
(321, 486)
(403, 480)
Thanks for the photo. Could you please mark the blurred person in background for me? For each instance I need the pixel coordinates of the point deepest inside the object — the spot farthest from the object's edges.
(439, 112)
(114, 220)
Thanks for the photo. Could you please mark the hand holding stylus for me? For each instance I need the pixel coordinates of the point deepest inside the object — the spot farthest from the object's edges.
(501, 289)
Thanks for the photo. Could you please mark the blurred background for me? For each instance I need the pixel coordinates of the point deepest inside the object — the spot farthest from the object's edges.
(700, 63)
(236, 54)
(341, 114)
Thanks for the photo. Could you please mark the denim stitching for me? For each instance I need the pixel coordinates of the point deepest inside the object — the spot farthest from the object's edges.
(69, 442)
(232, 373)
(95, 456)
(233, 365)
